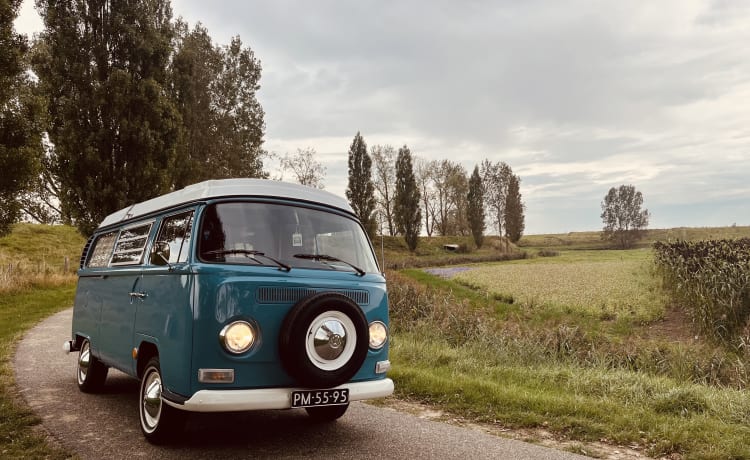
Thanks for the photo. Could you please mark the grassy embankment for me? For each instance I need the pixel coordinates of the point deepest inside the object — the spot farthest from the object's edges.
(585, 345)
(33, 285)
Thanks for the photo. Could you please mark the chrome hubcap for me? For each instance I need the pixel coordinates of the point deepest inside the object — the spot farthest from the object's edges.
(151, 400)
(330, 339)
(84, 361)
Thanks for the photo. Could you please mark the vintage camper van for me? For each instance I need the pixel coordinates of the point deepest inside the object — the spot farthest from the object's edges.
(233, 295)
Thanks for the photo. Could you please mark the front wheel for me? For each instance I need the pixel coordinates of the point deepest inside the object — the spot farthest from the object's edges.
(159, 421)
(326, 413)
(91, 372)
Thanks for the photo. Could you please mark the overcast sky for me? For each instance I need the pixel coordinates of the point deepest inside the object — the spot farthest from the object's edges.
(576, 96)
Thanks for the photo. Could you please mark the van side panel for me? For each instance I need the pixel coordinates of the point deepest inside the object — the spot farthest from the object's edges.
(87, 310)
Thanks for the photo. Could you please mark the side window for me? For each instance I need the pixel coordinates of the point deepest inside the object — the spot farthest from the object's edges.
(175, 231)
(130, 245)
(102, 250)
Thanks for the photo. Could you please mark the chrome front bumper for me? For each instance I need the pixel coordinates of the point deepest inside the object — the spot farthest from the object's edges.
(271, 398)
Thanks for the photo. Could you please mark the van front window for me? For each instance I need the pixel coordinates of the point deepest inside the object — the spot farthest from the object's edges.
(283, 235)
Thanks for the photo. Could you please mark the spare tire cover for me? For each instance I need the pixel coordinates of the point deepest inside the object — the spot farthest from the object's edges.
(323, 340)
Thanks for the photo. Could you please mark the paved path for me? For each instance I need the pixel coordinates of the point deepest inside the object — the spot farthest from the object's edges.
(106, 425)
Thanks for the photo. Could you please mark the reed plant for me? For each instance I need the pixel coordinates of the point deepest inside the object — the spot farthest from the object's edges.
(711, 280)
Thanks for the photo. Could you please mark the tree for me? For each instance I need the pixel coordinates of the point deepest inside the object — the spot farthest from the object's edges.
(102, 67)
(514, 207)
(425, 172)
(360, 191)
(383, 156)
(451, 187)
(406, 202)
(40, 202)
(624, 221)
(241, 126)
(496, 178)
(306, 169)
(214, 90)
(475, 208)
(21, 115)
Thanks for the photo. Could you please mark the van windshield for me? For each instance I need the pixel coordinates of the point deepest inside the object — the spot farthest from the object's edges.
(285, 236)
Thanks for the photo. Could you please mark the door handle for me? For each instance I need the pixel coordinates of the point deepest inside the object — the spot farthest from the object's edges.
(140, 295)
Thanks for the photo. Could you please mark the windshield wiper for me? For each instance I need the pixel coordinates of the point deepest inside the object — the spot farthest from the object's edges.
(327, 258)
(250, 254)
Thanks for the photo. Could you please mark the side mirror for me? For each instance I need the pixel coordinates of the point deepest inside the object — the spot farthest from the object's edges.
(160, 253)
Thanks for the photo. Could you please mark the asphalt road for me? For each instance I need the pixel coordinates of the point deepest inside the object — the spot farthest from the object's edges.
(106, 425)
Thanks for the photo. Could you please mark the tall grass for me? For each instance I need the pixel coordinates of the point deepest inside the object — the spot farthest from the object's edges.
(39, 255)
(711, 280)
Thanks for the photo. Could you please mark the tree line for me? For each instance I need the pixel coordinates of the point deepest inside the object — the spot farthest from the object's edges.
(396, 193)
(116, 102)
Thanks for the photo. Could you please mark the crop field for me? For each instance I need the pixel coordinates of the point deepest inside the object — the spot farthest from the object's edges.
(611, 287)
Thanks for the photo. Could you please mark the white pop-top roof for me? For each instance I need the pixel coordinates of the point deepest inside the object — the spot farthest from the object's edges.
(228, 188)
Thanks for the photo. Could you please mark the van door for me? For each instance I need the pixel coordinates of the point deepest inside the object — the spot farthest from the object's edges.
(165, 317)
(121, 293)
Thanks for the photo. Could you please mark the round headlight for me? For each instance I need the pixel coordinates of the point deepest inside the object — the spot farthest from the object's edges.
(378, 335)
(238, 337)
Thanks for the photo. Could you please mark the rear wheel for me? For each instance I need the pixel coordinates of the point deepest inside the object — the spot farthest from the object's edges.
(326, 413)
(91, 372)
(159, 421)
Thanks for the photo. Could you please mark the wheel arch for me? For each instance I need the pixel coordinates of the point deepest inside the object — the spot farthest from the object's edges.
(146, 351)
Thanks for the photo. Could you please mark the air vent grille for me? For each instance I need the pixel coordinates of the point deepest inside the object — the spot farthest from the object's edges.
(291, 295)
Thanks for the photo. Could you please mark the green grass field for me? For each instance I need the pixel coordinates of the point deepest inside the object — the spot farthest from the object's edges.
(612, 285)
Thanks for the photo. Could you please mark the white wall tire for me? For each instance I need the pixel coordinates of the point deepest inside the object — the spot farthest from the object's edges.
(159, 421)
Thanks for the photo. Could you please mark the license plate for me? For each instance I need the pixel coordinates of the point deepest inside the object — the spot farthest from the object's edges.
(315, 398)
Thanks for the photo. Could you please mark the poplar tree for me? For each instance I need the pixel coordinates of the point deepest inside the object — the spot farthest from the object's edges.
(102, 67)
(475, 209)
(20, 119)
(407, 199)
(514, 207)
(214, 89)
(361, 192)
(495, 179)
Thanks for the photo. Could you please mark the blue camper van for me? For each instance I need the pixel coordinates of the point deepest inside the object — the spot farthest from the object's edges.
(233, 295)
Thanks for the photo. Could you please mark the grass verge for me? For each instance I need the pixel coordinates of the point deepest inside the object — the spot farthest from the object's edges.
(659, 415)
(475, 355)
(20, 310)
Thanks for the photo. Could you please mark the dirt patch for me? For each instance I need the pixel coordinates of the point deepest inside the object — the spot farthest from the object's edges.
(674, 327)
